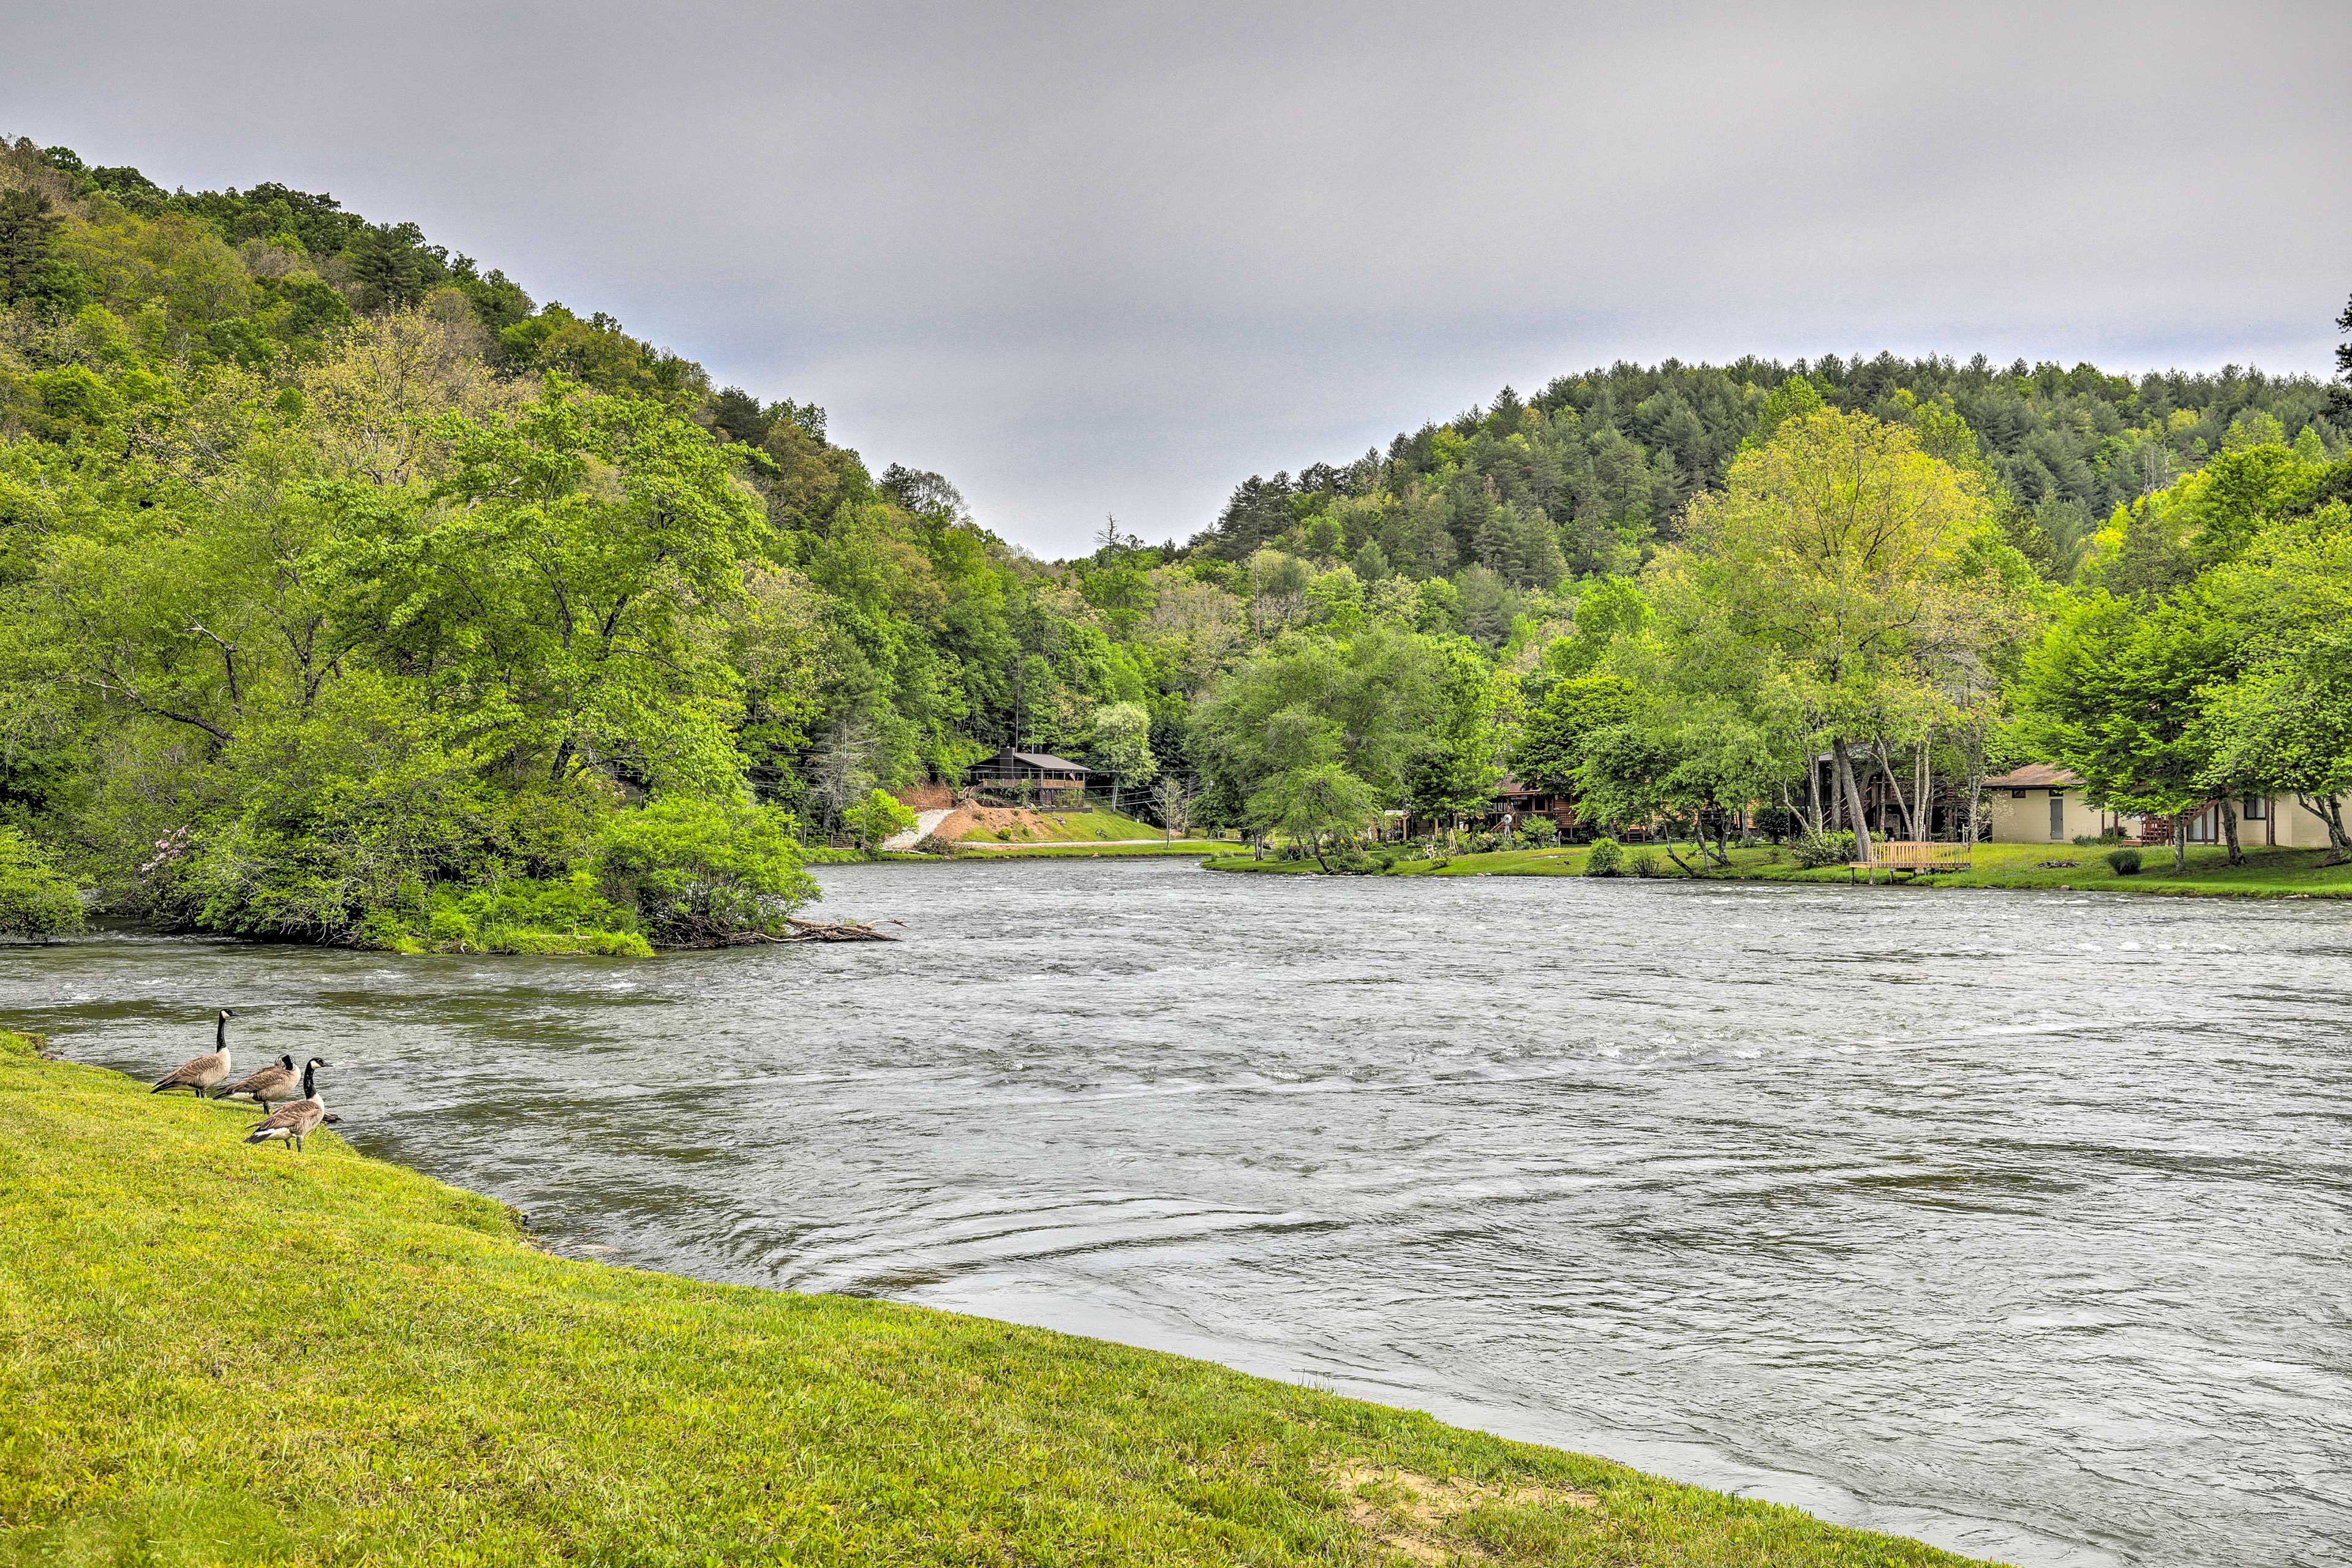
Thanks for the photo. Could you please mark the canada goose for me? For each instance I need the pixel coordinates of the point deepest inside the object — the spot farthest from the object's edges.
(206, 1070)
(294, 1120)
(274, 1082)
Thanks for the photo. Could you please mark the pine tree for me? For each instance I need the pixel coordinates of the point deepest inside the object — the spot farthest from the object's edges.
(28, 229)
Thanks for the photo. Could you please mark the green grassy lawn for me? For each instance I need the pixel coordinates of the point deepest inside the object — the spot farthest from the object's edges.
(1502, 862)
(1195, 847)
(1269, 866)
(2268, 873)
(1060, 827)
(212, 1353)
(990, 850)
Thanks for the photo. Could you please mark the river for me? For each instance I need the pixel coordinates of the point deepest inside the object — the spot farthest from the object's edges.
(2022, 1223)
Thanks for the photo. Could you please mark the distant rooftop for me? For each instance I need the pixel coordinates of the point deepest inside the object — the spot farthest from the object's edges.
(1044, 760)
(2035, 775)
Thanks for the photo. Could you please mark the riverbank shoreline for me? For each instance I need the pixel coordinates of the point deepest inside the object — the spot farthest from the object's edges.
(259, 1356)
(2047, 868)
(1112, 850)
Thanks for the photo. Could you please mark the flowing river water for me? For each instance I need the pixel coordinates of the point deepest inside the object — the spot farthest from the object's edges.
(2022, 1223)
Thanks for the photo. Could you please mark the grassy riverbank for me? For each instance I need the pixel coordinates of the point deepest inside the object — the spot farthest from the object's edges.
(212, 1353)
(2268, 873)
(1005, 824)
(1077, 826)
(1191, 849)
(1196, 847)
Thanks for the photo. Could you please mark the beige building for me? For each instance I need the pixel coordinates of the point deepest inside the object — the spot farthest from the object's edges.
(2278, 821)
(2038, 804)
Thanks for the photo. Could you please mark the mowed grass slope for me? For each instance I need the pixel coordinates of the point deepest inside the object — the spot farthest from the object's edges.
(1059, 828)
(1195, 847)
(216, 1354)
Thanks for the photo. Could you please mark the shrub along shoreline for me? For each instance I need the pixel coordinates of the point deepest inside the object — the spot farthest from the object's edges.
(2069, 867)
(234, 1355)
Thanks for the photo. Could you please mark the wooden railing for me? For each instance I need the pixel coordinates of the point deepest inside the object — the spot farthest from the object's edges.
(1916, 858)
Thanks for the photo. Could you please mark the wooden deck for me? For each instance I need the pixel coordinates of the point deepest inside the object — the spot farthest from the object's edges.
(1914, 857)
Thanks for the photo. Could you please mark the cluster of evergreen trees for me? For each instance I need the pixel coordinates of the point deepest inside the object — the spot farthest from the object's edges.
(1595, 472)
(347, 592)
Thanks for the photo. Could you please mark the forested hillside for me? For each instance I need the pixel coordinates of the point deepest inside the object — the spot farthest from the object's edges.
(348, 593)
(344, 583)
(1591, 475)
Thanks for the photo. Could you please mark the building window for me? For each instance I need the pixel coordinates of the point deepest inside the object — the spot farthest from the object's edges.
(2016, 795)
(2254, 808)
(2057, 816)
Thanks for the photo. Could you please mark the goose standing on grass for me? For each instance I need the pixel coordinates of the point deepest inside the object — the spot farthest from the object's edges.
(199, 1076)
(274, 1082)
(297, 1119)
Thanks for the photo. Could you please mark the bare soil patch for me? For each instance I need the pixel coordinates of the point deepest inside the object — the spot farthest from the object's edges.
(1409, 1513)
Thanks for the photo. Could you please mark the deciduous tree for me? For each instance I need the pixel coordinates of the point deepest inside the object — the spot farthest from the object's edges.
(1121, 746)
(2114, 692)
(1854, 563)
(1313, 804)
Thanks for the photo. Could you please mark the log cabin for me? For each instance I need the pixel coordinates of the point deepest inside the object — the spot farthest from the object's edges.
(1518, 802)
(1031, 777)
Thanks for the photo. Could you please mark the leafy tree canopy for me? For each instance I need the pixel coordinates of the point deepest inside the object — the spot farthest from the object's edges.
(349, 592)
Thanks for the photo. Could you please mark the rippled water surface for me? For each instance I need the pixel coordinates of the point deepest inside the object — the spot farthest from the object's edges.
(2017, 1222)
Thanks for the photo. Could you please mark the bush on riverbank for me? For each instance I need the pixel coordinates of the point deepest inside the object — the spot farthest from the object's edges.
(35, 898)
(675, 873)
(1814, 851)
(403, 1381)
(877, 817)
(694, 871)
(520, 916)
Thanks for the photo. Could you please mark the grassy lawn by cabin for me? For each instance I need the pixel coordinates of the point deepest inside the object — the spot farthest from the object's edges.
(1191, 849)
(1060, 827)
(1195, 847)
(212, 1353)
(2268, 873)
(1001, 831)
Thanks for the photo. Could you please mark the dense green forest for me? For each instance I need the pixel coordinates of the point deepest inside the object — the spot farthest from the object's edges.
(1596, 471)
(348, 593)
(351, 593)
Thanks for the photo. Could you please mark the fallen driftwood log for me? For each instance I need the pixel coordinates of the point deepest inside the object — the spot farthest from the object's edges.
(814, 930)
(835, 931)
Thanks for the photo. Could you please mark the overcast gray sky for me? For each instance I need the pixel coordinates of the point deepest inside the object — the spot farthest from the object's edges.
(1087, 258)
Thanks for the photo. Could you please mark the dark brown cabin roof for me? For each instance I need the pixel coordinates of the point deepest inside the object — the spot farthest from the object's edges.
(1043, 761)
